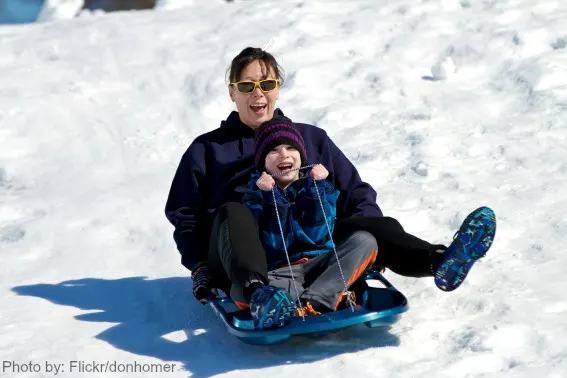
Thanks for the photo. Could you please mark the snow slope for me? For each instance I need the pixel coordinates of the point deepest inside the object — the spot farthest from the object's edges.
(442, 105)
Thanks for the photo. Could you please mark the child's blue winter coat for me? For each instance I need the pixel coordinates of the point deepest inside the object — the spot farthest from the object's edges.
(302, 220)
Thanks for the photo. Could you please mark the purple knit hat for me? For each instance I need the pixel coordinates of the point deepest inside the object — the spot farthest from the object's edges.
(272, 133)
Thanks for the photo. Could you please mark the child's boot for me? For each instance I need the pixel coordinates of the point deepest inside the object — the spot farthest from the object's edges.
(271, 307)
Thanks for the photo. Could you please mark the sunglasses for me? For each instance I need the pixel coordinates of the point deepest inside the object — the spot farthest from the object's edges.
(249, 86)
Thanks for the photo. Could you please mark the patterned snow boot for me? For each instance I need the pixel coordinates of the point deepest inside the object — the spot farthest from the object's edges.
(471, 242)
(271, 307)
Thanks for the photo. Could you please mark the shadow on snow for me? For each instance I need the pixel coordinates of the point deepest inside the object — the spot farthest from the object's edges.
(147, 310)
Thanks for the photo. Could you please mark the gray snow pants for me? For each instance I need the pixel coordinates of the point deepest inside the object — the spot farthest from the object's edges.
(320, 278)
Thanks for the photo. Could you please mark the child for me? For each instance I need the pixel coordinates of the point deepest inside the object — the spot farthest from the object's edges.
(316, 278)
(295, 212)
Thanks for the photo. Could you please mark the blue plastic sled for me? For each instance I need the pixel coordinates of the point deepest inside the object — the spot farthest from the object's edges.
(379, 307)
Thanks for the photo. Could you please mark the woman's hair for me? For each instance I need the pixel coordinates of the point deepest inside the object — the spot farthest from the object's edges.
(247, 56)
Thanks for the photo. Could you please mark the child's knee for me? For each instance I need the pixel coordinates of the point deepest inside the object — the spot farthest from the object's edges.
(365, 241)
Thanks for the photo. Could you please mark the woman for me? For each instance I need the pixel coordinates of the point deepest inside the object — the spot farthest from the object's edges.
(218, 237)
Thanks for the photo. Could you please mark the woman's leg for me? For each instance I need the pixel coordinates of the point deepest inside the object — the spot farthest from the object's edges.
(401, 252)
(236, 257)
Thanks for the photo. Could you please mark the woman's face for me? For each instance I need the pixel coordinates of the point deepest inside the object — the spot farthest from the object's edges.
(255, 107)
(281, 159)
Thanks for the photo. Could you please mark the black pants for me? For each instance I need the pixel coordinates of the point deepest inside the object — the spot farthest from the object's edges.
(403, 253)
(237, 258)
(236, 255)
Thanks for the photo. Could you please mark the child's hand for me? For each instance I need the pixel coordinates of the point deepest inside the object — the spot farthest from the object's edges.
(319, 172)
(265, 182)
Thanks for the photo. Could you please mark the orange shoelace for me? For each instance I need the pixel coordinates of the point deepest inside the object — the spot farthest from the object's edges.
(307, 310)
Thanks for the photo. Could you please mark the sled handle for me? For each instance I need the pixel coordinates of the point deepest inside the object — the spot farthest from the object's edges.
(375, 274)
(216, 303)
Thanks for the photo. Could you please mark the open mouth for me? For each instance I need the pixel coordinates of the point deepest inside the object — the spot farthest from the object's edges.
(285, 166)
(258, 108)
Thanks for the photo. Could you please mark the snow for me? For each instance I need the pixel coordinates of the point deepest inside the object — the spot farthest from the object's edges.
(443, 106)
(55, 10)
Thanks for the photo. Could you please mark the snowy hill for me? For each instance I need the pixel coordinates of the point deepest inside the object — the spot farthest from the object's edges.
(443, 106)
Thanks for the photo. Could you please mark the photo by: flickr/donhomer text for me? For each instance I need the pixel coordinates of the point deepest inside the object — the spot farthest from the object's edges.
(77, 366)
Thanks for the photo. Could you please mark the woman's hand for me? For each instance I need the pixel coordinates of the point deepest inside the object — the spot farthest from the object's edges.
(319, 172)
(265, 182)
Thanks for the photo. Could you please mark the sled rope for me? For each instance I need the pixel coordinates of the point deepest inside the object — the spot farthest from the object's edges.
(333, 244)
(328, 229)
(287, 255)
(292, 170)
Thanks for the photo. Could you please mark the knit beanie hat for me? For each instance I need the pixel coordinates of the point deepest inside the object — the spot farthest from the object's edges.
(272, 133)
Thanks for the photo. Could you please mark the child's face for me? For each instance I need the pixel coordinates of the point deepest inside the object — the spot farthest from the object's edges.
(283, 158)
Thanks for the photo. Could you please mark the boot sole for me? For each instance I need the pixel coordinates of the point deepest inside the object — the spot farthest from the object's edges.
(472, 241)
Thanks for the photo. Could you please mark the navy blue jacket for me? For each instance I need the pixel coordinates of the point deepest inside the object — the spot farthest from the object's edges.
(216, 169)
(303, 222)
